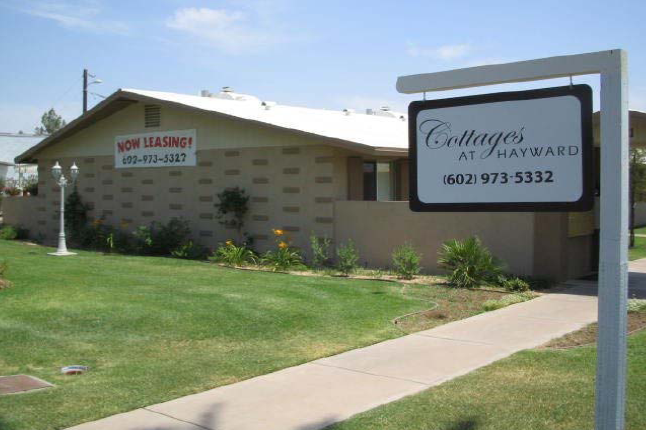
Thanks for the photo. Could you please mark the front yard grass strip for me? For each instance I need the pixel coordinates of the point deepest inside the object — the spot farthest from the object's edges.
(532, 390)
(152, 329)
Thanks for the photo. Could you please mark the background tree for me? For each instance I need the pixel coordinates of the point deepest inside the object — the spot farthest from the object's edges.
(51, 122)
(637, 185)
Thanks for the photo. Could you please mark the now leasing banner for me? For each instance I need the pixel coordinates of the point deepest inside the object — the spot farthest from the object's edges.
(156, 149)
(517, 151)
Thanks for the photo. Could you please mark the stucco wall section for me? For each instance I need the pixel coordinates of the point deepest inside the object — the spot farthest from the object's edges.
(20, 211)
(378, 227)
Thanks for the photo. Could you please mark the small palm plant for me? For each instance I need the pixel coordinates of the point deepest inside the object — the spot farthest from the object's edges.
(470, 264)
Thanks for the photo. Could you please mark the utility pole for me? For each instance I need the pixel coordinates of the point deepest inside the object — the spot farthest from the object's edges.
(85, 90)
(86, 84)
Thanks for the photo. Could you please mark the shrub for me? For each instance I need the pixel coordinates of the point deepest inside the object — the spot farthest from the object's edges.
(347, 258)
(469, 263)
(234, 255)
(406, 261)
(165, 238)
(233, 206)
(120, 241)
(515, 285)
(8, 233)
(96, 235)
(12, 191)
(31, 186)
(191, 251)
(636, 305)
(320, 251)
(76, 218)
(142, 240)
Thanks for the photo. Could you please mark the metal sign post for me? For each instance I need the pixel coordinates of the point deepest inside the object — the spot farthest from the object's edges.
(613, 259)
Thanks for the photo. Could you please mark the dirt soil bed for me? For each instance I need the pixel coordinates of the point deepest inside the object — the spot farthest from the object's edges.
(588, 334)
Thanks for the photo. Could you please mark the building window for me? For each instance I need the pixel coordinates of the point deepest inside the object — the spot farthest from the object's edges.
(152, 116)
(378, 181)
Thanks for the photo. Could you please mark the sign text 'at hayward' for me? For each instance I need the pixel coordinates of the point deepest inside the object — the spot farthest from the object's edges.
(156, 149)
(515, 151)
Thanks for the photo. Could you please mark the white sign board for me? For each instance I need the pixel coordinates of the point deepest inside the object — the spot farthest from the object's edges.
(156, 149)
(519, 151)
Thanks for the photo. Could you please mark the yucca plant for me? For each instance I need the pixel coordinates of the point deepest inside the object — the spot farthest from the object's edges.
(469, 263)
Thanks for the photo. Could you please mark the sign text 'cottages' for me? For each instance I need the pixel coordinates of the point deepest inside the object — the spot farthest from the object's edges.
(156, 149)
(515, 151)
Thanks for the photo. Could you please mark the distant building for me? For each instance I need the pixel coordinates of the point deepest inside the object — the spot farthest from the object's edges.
(12, 145)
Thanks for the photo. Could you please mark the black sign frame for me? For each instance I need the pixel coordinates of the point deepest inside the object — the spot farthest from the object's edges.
(582, 92)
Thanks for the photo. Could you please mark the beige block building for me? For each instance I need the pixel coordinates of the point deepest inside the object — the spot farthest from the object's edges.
(336, 174)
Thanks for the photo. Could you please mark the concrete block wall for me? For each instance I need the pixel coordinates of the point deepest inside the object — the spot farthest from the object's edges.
(290, 187)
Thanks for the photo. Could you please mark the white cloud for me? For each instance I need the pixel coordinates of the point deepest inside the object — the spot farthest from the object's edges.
(230, 31)
(83, 15)
(444, 53)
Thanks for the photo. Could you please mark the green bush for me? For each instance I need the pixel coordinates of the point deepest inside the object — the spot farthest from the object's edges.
(515, 285)
(165, 238)
(347, 258)
(8, 232)
(320, 251)
(636, 305)
(234, 255)
(232, 208)
(469, 263)
(31, 186)
(142, 240)
(76, 221)
(406, 261)
(191, 251)
(12, 191)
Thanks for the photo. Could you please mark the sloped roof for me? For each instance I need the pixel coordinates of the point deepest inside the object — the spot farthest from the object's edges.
(374, 132)
(14, 144)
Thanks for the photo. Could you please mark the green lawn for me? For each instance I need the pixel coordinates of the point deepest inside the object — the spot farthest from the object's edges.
(639, 250)
(153, 329)
(531, 390)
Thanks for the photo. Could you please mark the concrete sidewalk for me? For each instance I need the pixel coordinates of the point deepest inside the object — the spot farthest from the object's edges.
(319, 393)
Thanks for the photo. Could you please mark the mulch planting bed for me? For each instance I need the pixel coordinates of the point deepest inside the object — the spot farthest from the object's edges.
(588, 334)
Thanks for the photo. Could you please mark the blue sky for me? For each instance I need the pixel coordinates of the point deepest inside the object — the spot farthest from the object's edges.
(328, 54)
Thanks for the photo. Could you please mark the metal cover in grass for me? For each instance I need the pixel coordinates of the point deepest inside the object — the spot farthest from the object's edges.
(21, 383)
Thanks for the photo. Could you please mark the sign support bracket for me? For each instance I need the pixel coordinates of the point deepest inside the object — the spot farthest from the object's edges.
(613, 259)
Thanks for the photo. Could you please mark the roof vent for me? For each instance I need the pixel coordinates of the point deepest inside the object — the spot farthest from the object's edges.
(370, 111)
(205, 93)
(268, 105)
(402, 117)
(348, 112)
(152, 116)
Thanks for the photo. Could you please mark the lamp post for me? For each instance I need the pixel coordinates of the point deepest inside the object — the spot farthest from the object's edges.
(57, 172)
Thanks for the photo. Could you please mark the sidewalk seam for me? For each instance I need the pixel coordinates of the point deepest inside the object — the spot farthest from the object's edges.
(475, 342)
(375, 374)
(175, 418)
